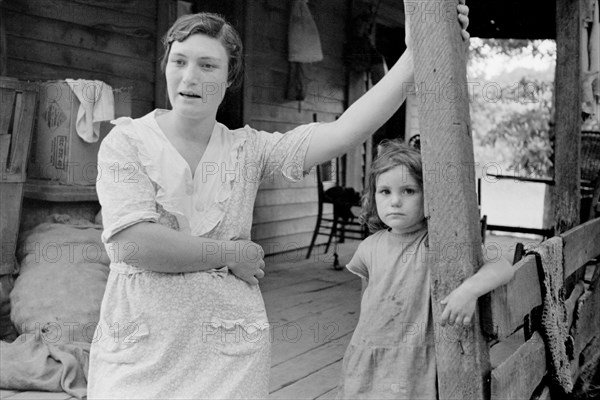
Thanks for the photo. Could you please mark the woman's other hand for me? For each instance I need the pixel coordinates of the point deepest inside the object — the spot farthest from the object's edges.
(248, 263)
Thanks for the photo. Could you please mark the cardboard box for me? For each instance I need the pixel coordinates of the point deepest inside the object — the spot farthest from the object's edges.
(57, 151)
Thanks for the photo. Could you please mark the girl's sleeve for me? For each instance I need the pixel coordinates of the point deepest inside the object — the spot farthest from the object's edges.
(358, 264)
(125, 191)
(284, 152)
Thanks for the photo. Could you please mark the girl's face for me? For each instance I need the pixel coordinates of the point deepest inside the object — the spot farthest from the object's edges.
(399, 200)
(196, 74)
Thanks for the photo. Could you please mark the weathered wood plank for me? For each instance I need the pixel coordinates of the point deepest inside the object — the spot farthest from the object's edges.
(128, 23)
(304, 365)
(274, 229)
(581, 244)
(512, 302)
(22, 130)
(276, 112)
(519, 375)
(567, 87)
(326, 108)
(571, 302)
(58, 55)
(446, 141)
(586, 322)
(67, 33)
(294, 244)
(293, 338)
(283, 212)
(312, 296)
(502, 350)
(294, 285)
(136, 7)
(312, 386)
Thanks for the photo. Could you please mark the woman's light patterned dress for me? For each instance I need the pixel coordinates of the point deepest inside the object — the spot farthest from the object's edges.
(184, 335)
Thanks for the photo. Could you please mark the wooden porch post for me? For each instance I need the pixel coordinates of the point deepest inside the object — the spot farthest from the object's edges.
(450, 198)
(567, 98)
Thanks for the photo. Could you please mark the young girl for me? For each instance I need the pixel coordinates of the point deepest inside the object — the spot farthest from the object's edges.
(392, 351)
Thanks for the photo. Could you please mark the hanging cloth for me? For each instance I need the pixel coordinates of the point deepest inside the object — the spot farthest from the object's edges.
(304, 46)
(96, 104)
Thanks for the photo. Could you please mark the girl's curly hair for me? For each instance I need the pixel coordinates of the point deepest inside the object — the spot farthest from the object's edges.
(392, 153)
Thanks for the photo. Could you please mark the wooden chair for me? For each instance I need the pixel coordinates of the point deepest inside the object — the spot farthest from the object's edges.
(335, 227)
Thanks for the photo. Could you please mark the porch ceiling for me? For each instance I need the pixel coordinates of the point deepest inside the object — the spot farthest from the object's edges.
(508, 19)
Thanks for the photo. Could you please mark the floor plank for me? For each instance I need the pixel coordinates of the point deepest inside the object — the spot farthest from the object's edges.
(319, 383)
(295, 369)
(315, 328)
(5, 394)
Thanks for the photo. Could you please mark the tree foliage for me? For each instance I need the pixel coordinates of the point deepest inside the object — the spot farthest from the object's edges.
(511, 114)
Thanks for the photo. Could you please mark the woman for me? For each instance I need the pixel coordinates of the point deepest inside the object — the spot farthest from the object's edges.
(182, 315)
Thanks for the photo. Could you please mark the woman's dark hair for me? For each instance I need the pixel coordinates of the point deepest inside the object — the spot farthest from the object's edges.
(213, 26)
(392, 153)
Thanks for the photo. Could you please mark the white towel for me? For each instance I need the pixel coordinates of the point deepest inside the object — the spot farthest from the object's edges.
(97, 104)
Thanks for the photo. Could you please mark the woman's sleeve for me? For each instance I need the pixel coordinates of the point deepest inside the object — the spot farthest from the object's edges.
(285, 152)
(125, 191)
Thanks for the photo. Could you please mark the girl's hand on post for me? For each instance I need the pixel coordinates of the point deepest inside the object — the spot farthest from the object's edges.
(460, 307)
(248, 264)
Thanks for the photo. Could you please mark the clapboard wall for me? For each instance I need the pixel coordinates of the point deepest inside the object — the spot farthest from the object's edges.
(285, 213)
(113, 41)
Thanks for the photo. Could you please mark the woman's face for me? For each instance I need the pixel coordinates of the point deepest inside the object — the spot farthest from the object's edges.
(196, 74)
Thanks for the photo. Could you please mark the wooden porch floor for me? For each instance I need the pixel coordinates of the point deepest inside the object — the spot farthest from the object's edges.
(313, 310)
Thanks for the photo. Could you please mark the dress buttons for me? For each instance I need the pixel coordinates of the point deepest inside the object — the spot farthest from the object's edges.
(189, 189)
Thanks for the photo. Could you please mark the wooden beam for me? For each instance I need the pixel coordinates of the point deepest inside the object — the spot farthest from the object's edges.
(567, 95)
(510, 303)
(580, 244)
(166, 15)
(521, 373)
(449, 178)
(586, 324)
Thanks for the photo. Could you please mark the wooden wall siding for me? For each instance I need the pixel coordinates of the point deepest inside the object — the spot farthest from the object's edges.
(285, 213)
(113, 41)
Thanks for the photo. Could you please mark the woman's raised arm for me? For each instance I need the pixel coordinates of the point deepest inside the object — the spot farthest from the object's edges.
(364, 116)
